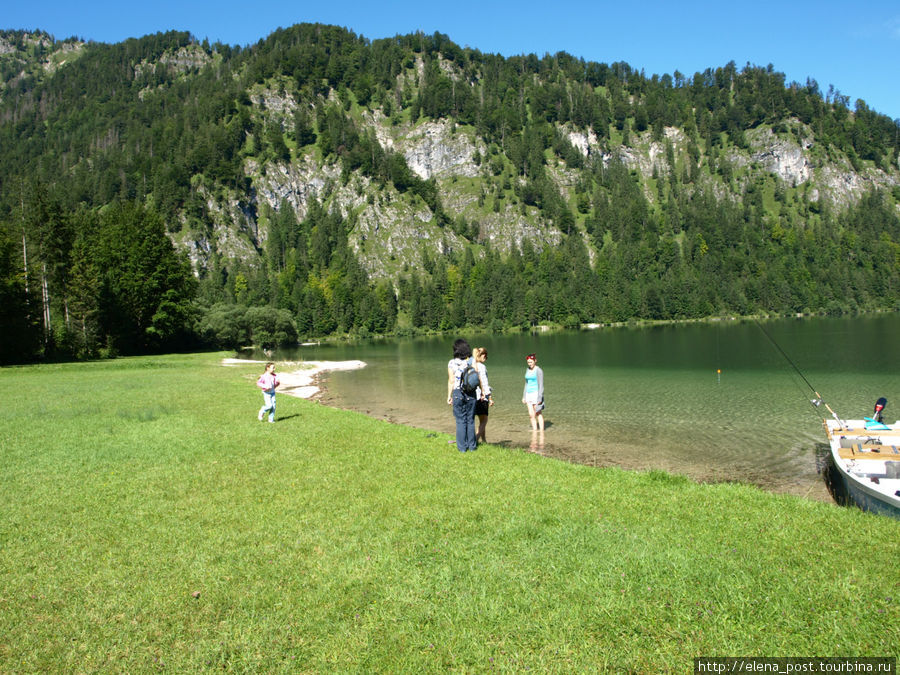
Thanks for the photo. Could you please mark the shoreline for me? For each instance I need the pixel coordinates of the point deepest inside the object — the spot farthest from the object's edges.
(302, 382)
(550, 446)
(303, 379)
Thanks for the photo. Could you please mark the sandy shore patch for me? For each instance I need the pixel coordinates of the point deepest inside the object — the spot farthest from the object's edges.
(300, 378)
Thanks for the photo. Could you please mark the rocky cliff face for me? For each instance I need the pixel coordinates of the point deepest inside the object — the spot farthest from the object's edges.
(187, 58)
(787, 159)
(234, 233)
(391, 230)
(53, 55)
(438, 149)
(797, 163)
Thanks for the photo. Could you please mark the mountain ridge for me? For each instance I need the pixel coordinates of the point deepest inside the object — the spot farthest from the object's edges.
(415, 155)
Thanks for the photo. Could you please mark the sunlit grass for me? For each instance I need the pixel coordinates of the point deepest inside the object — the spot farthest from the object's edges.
(148, 521)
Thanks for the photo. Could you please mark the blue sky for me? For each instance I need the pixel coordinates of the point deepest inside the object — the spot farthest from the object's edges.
(853, 46)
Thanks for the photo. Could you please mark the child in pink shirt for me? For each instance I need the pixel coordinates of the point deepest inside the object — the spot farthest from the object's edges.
(268, 382)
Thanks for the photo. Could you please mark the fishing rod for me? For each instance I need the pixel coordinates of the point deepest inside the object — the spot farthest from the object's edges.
(818, 400)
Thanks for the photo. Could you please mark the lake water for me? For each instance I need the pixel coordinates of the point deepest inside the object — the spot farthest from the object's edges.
(714, 401)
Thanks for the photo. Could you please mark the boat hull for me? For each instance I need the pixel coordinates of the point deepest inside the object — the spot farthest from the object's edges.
(861, 496)
(866, 463)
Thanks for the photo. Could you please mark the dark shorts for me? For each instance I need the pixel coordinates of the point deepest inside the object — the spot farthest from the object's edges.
(482, 406)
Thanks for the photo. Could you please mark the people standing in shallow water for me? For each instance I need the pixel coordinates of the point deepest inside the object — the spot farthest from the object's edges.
(533, 396)
(484, 397)
(463, 405)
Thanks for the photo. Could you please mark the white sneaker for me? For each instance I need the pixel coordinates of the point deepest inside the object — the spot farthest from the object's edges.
(260, 417)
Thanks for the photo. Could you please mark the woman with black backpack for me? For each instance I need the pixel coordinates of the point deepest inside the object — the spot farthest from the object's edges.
(462, 383)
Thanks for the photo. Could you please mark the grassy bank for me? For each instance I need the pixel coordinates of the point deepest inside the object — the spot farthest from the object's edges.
(149, 522)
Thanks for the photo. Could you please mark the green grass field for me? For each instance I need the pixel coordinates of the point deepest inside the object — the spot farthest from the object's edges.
(148, 522)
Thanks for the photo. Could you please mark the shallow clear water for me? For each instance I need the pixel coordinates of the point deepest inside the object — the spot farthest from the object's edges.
(651, 397)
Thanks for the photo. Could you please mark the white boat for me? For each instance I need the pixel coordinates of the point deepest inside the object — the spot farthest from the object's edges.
(866, 456)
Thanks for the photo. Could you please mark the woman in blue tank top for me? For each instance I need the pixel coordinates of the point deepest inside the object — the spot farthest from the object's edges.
(533, 396)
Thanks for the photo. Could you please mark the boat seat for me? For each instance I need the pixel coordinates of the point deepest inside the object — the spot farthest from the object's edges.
(862, 431)
(859, 451)
(853, 442)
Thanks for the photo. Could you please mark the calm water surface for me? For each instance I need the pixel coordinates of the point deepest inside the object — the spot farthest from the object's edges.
(650, 397)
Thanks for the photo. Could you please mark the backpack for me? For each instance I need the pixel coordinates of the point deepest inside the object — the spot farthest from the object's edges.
(469, 380)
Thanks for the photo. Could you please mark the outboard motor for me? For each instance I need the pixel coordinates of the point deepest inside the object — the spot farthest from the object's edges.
(879, 408)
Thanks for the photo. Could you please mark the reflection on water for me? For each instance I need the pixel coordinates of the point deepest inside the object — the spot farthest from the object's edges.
(716, 401)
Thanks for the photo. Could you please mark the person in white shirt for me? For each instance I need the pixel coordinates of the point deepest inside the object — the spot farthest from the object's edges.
(484, 396)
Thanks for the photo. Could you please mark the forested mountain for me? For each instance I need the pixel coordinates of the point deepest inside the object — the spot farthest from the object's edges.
(163, 192)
